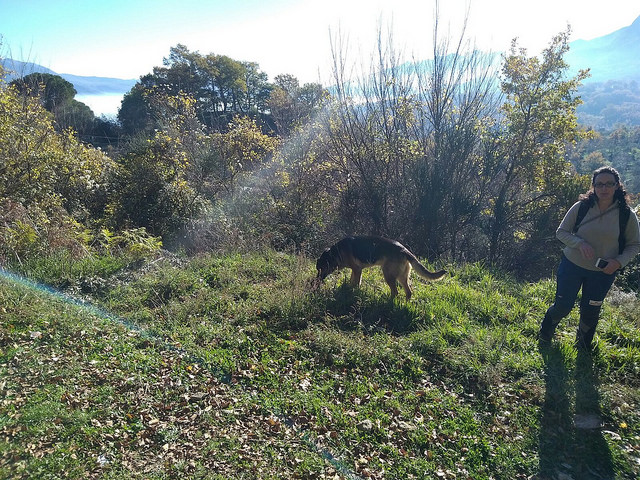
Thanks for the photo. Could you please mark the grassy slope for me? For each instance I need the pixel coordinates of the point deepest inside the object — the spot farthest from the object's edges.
(228, 367)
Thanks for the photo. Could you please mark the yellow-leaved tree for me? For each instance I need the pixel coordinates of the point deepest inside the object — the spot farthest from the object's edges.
(49, 182)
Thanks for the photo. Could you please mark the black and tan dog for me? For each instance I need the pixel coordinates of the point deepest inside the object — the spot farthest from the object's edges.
(358, 253)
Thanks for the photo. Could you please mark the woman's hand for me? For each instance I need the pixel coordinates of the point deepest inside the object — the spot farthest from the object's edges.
(586, 250)
(611, 267)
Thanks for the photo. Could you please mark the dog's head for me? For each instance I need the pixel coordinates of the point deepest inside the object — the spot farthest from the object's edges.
(327, 263)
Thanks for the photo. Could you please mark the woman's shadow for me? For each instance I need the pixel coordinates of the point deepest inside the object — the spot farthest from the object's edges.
(572, 443)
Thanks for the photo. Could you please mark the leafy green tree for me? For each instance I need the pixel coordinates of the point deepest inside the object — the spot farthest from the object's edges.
(57, 96)
(180, 73)
(242, 148)
(37, 162)
(258, 89)
(76, 116)
(49, 181)
(135, 113)
(52, 90)
(301, 199)
(225, 87)
(293, 106)
(533, 176)
(151, 187)
(222, 87)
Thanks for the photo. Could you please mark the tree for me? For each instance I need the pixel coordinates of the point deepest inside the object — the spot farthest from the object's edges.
(368, 143)
(135, 113)
(228, 154)
(57, 96)
(293, 106)
(610, 104)
(75, 115)
(36, 162)
(619, 148)
(222, 87)
(180, 72)
(151, 187)
(456, 106)
(539, 121)
(52, 90)
(224, 79)
(49, 181)
(258, 90)
(406, 139)
(302, 197)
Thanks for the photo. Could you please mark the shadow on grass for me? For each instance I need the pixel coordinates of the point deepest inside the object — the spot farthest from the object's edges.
(571, 444)
(355, 308)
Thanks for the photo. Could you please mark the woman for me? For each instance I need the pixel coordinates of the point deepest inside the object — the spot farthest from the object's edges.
(597, 237)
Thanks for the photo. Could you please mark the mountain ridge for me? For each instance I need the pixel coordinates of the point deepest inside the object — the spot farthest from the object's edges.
(610, 57)
(84, 85)
(611, 93)
(613, 56)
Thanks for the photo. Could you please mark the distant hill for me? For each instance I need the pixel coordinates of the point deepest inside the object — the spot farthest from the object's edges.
(615, 56)
(83, 85)
(611, 95)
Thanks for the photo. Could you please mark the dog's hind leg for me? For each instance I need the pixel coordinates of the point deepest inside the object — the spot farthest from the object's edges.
(390, 278)
(405, 280)
(356, 277)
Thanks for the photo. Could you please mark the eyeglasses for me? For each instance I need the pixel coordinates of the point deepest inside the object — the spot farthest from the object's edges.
(606, 184)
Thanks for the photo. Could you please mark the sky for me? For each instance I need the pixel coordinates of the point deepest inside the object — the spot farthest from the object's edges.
(127, 38)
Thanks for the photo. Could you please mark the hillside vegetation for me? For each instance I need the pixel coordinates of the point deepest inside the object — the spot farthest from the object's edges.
(228, 366)
(610, 105)
(451, 157)
(156, 313)
(618, 147)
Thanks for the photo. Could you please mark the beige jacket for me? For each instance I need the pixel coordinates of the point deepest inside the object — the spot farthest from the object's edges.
(601, 234)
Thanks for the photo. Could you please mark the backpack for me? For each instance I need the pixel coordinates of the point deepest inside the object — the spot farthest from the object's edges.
(623, 218)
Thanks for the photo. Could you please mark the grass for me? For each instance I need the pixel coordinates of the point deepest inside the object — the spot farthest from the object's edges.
(228, 366)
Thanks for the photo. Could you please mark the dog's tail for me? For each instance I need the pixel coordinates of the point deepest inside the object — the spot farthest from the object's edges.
(422, 270)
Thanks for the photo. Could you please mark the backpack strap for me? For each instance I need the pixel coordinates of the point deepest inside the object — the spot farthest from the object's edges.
(623, 217)
(582, 211)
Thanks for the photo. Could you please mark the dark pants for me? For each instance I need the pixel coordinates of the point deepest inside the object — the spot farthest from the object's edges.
(595, 286)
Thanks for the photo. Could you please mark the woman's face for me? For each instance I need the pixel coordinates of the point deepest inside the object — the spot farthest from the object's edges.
(605, 186)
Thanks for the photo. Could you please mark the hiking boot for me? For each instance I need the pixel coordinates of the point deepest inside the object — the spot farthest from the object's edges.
(547, 329)
(584, 341)
(544, 336)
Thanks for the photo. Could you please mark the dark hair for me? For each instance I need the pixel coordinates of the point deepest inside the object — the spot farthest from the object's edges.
(620, 194)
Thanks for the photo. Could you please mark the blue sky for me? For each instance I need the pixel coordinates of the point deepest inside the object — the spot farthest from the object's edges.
(126, 39)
